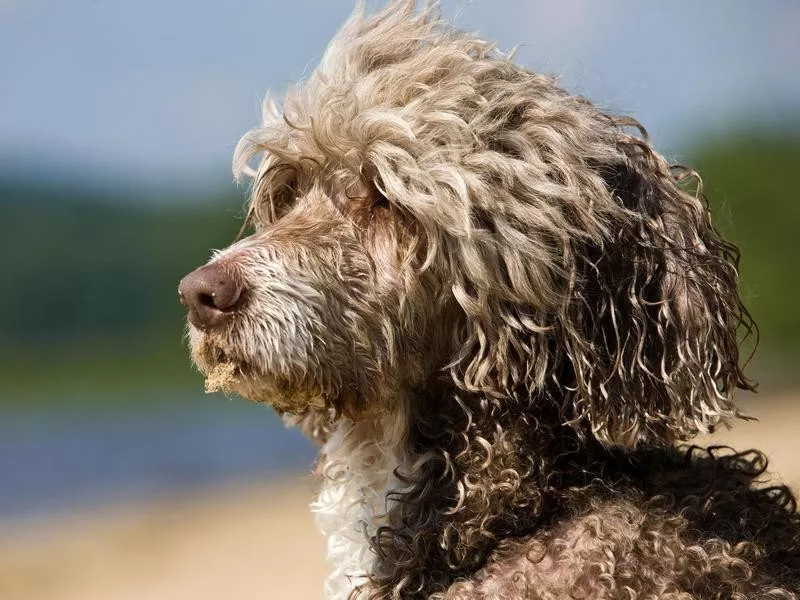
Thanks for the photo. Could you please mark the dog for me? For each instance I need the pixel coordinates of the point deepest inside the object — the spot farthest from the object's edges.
(500, 312)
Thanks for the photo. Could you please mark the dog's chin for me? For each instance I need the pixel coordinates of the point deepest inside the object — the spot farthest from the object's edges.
(229, 373)
(281, 397)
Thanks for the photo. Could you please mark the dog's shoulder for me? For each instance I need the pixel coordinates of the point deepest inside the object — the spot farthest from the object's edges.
(660, 523)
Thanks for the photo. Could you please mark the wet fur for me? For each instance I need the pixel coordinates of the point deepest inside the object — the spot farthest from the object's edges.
(499, 311)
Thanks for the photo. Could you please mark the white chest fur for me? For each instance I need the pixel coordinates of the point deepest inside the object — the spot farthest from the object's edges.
(358, 472)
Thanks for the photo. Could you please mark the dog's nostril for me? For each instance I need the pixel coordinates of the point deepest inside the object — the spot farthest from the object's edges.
(209, 293)
(207, 300)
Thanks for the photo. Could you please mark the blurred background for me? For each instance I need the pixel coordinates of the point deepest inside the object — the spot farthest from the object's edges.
(119, 478)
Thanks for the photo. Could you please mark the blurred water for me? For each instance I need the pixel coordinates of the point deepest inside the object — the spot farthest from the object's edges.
(71, 455)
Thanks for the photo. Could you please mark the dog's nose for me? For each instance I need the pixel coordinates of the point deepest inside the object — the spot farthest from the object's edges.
(210, 293)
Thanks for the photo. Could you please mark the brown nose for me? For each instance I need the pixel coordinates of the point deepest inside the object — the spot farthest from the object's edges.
(210, 293)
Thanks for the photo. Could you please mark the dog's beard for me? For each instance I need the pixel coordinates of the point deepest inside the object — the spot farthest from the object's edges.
(213, 357)
(228, 373)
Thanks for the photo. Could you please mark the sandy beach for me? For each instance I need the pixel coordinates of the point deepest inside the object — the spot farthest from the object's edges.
(249, 541)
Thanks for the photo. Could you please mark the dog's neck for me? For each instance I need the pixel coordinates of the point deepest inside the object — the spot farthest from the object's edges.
(394, 486)
(358, 463)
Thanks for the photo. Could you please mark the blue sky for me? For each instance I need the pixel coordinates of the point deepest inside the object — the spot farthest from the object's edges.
(154, 91)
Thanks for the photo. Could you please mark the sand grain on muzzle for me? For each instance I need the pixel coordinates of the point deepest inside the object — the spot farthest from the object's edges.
(221, 378)
(222, 374)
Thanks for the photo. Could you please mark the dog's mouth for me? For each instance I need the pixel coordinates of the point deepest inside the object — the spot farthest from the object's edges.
(225, 371)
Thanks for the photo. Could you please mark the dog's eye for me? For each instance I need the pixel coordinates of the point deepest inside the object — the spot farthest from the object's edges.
(280, 200)
(379, 200)
(277, 190)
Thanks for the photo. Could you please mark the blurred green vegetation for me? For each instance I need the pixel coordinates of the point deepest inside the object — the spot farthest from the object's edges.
(89, 295)
(89, 299)
(753, 186)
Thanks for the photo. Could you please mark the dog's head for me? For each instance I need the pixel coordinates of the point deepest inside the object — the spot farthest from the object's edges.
(424, 210)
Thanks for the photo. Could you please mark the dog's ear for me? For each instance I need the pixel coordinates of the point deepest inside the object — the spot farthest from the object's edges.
(630, 328)
(651, 332)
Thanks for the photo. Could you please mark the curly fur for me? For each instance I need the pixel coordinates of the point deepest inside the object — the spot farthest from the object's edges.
(498, 310)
